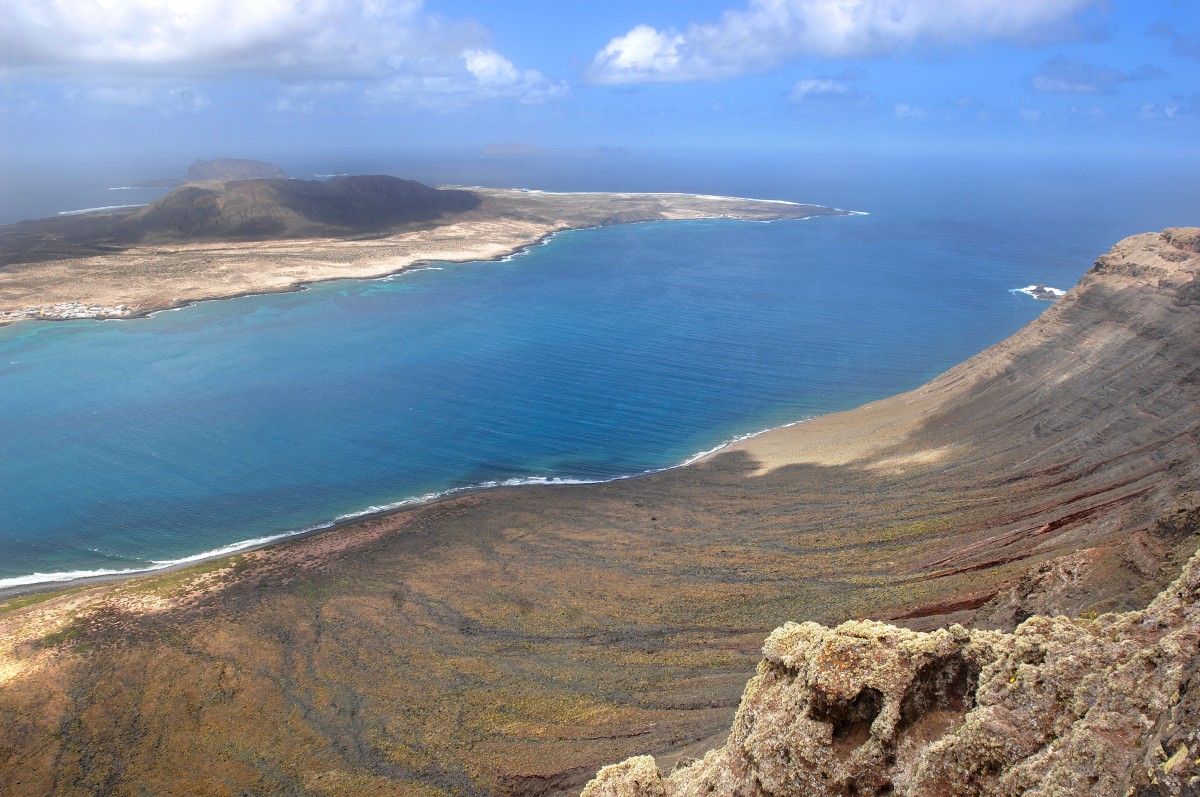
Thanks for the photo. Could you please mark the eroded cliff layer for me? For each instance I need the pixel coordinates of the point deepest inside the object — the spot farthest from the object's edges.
(1081, 704)
(1063, 705)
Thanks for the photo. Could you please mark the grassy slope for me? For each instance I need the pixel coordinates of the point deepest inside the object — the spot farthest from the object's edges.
(513, 641)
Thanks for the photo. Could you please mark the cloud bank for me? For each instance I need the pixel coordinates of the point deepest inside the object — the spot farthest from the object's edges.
(396, 43)
(769, 32)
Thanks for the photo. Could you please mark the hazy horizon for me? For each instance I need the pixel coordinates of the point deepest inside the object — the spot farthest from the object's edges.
(147, 86)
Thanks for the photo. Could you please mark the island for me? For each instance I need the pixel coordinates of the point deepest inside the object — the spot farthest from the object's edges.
(219, 169)
(210, 240)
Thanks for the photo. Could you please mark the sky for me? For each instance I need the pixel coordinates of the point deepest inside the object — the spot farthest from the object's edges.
(179, 79)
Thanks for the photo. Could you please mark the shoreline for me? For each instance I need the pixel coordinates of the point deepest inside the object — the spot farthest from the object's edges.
(300, 287)
(523, 244)
(72, 580)
(151, 278)
(418, 265)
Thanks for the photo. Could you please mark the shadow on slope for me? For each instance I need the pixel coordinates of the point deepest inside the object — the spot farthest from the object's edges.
(240, 210)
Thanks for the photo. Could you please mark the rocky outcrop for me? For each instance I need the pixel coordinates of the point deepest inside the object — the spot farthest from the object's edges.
(1106, 706)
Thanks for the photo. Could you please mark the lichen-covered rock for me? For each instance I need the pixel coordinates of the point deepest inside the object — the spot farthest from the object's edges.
(1060, 706)
(634, 777)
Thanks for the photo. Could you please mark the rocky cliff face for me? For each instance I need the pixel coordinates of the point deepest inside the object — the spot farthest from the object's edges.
(1106, 706)
(1083, 704)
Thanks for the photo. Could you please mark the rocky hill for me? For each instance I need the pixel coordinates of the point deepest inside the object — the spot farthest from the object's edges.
(1064, 704)
(238, 210)
(274, 209)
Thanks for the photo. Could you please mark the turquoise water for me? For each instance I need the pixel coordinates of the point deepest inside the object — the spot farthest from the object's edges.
(602, 354)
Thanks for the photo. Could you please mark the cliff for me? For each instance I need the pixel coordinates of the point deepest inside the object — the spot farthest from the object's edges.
(1064, 704)
(513, 642)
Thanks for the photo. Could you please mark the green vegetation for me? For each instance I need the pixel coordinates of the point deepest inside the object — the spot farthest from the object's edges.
(24, 601)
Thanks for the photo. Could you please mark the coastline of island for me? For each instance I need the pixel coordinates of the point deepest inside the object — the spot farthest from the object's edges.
(509, 223)
(138, 280)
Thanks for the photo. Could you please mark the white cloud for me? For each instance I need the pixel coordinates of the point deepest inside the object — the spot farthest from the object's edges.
(910, 113)
(643, 50)
(396, 42)
(495, 76)
(831, 93)
(216, 37)
(820, 87)
(490, 68)
(1152, 111)
(474, 76)
(768, 32)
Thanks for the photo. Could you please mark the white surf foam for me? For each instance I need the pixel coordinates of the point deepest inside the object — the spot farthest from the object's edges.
(1032, 290)
(100, 209)
(67, 575)
(255, 542)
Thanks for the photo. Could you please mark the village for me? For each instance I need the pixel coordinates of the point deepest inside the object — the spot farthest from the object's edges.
(64, 310)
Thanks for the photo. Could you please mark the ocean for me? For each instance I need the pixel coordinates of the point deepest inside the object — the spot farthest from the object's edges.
(601, 354)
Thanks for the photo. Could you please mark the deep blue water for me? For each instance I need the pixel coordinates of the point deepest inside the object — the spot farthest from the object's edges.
(604, 353)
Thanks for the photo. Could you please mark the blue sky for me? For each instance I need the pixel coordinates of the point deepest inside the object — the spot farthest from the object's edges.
(128, 79)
